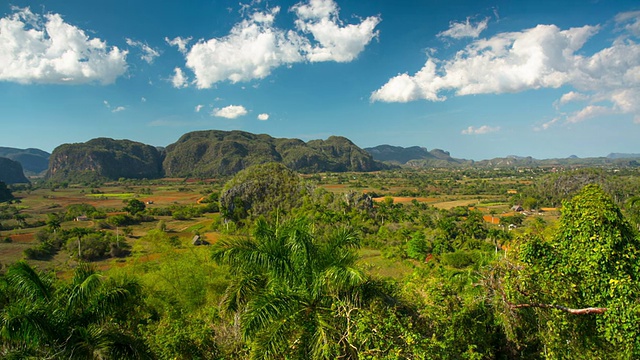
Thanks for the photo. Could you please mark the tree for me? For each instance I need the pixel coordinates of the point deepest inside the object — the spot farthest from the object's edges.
(261, 190)
(583, 285)
(134, 206)
(295, 293)
(83, 319)
(53, 222)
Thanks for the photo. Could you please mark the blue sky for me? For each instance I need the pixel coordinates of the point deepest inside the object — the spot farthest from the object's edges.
(480, 79)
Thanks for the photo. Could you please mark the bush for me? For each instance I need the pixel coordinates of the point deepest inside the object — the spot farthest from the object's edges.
(461, 259)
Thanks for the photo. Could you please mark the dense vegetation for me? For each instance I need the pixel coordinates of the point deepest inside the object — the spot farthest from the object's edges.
(206, 154)
(399, 264)
(104, 158)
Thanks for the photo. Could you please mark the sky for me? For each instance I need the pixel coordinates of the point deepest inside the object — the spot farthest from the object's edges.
(480, 79)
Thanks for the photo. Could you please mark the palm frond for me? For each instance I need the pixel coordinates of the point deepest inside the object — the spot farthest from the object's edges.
(241, 289)
(27, 282)
(268, 309)
(26, 323)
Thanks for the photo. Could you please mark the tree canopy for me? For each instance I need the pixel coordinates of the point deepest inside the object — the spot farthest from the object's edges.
(582, 287)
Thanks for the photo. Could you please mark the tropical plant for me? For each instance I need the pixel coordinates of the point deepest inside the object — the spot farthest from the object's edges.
(84, 319)
(296, 294)
(582, 286)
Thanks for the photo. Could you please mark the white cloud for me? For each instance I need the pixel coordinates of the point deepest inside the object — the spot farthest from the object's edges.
(255, 46)
(509, 62)
(541, 57)
(263, 117)
(143, 99)
(181, 43)
(148, 53)
(334, 41)
(179, 80)
(230, 112)
(484, 129)
(198, 108)
(47, 50)
(588, 112)
(251, 51)
(572, 96)
(118, 109)
(630, 21)
(547, 124)
(459, 30)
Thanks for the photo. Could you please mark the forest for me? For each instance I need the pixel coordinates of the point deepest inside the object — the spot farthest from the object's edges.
(471, 263)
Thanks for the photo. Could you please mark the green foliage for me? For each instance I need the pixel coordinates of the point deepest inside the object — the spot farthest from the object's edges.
(104, 158)
(261, 191)
(295, 293)
(592, 261)
(134, 207)
(417, 246)
(75, 210)
(86, 318)
(461, 259)
(207, 154)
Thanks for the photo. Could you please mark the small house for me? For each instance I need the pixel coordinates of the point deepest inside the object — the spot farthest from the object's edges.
(517, 208)
(82, 218)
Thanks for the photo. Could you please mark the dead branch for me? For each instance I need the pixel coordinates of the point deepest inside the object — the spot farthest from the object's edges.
(583, 311)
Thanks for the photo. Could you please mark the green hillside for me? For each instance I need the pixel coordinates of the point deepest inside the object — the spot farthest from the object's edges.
(105, 158)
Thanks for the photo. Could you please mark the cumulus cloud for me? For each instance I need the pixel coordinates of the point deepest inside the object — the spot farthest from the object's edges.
(179, 80)
(459, 30)
(118, 109)
(198, 108)
(230, 112)
(181, 43)
(148, 53)
(251, 51)
(255, 46)
(541, 57)
(45, 49)
(263, 117)
(484, 129)
(335, 42)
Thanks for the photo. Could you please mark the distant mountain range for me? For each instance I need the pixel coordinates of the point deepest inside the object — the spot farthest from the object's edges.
(203, 154)
(213, 153)
(33, 161)
(419, 157)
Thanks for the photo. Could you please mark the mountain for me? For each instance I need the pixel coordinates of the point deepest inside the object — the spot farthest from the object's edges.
(104, 158)
(414, 156)
(11, 172)
(33, 161)
(214, 153)
(622, 156)
(398, 154)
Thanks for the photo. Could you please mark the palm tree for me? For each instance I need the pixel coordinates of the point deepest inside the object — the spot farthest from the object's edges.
(80, 320)
(294, 292)
(53, 222)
